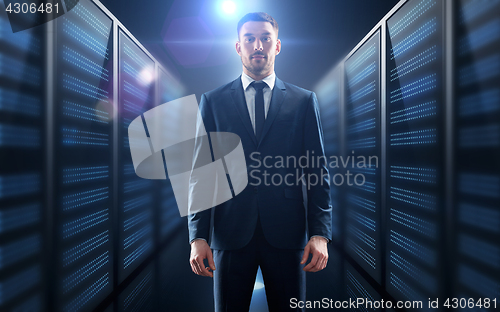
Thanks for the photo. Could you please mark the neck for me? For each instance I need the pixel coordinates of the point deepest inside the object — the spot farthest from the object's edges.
(258, 76)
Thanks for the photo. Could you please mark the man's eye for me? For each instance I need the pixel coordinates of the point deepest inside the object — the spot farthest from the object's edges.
(249, 39)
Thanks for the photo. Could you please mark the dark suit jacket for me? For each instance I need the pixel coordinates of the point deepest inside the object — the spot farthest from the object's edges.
(292, 128)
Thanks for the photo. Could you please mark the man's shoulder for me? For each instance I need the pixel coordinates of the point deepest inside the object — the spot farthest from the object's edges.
(294, 88)
(221, 90)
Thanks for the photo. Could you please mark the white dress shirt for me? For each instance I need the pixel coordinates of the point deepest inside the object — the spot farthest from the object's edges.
(250, 94)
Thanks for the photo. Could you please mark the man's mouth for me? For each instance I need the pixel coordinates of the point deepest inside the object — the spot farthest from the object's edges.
(258, 56)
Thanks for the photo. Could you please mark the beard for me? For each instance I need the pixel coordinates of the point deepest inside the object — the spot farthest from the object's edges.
(257, 68)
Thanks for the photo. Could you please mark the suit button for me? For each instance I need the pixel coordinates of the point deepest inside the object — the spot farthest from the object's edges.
(255, 190)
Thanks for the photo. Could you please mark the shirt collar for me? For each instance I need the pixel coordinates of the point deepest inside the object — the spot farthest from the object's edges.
(247, 80)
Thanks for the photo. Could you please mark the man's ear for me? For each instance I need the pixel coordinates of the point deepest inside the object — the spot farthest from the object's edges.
(238, 48)
(278, 47)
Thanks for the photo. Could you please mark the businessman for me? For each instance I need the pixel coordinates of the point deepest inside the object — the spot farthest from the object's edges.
(267, 224)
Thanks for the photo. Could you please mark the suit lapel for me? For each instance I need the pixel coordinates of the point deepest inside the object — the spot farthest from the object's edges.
(279, 93)
(240, 103)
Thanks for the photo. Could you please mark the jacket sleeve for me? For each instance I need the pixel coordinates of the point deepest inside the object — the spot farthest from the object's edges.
(199, 222)
(319, 209)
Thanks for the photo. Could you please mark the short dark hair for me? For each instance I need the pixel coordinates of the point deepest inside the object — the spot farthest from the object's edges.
(257, 17)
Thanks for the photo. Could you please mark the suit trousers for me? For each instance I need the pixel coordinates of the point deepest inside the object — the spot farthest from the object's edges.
(236, 270)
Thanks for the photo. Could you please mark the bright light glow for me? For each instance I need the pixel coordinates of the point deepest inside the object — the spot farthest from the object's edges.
(146, 76)
(258, 285)
(228, 7)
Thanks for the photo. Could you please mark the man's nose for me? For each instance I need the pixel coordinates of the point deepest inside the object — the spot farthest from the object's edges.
(258, 45)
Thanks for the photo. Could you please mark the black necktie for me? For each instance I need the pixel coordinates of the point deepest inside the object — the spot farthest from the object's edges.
(260, 114)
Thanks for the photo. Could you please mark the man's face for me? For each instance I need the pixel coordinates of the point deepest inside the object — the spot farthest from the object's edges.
(258, 46)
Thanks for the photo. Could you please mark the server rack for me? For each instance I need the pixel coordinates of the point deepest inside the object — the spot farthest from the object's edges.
(476, 149)
(83, 173)
(439, 159)
(415, 151)
(362, 145)
(65, 165)
(22, 150)
(136, 96)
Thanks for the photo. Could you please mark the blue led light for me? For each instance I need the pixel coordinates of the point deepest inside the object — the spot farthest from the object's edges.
(482, 218)
(18, 217)
(362, 143)
(85, 88)
(79, 302)
(365, 55)
(475, 9)
(20, 71)
(362, 126)
(362, 92)
(362, 236)
(413, 198)
(21, 184)
(82, 62)
(15, 101)
(133, 90)
(137, 290)
(404, 288)
(361, 109)
(416, 62)
(485, 185)
(427, 136)
(424, 254)
(366, 72)
(480, 70)
(136, 219)
(414, 223)
(81, 199)
(361, 202)
(84, 272)
(19, 250)
(81, 224)
(135, 185)
(363, 254)
(414, 88)
(361, 290)
(415, 38)
(418, 174)
(414, 14)
(138, 252)
(73, 136)
(414, 112)
(363, 220)
(481, 37)
(84, 38)
(84, 248)
(421, 277)
(23, 40)
(18, 136)
(484, 102)
(92, 20)
(136, 236)
(134, 56)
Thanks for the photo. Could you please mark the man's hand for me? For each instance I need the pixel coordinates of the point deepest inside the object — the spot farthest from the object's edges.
(199, 252)
(317, 247)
